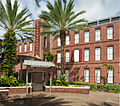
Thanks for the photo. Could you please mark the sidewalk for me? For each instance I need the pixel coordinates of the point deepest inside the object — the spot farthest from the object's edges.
(63, 99)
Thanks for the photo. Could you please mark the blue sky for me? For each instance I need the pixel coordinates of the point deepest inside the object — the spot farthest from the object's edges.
(95, 9)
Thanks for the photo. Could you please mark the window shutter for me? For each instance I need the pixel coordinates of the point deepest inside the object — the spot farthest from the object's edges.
(80, 55)
(72, 55)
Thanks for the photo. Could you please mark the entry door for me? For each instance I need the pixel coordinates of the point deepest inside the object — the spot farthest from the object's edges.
(38, 81)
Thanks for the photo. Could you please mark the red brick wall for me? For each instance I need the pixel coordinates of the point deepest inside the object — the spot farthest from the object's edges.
(17, 90)
(69, 90)
(92, 64)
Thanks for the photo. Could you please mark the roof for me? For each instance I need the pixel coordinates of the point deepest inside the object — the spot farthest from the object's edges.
(33, 63)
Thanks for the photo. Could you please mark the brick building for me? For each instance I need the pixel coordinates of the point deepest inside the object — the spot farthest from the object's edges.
(87, 52)
(32, 49)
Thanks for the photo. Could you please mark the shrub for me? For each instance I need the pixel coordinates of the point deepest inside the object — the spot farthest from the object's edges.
(100, 87)
(112, 88)
(10, 81)
(61, 82)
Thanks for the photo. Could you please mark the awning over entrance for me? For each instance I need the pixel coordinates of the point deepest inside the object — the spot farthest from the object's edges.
(36, 64)
(33, 63)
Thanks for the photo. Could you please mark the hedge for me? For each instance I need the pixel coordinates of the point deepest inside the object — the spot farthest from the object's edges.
(99, 87)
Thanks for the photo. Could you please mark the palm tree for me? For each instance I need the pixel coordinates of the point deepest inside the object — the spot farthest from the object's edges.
(15, 24)
(61, 19)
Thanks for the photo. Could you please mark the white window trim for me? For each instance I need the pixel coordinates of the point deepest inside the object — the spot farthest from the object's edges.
(87, 75)
(31, 46)
(97, 55)
(110, 56)
(110, 76)
(58, 57)
(58, 74)
(25, 47)
(86, 57)
(20, 48)
(76, 55)
(67, 75)
(110, 33)
(76, 38)
(87, 37)
(97, 78)
(59, 41)
(97, 35)
(67, 40)
(67, 56)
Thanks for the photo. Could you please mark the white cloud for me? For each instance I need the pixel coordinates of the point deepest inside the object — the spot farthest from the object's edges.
(97, 9)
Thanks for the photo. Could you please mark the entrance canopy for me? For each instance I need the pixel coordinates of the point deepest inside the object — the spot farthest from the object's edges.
(43, 64)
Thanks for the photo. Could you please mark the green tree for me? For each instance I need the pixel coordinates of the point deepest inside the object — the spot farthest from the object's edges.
(48, 56)
(15, 24)
(61, 19)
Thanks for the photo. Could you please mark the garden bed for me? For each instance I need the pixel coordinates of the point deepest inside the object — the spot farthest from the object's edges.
(67, 89)
(16, 90)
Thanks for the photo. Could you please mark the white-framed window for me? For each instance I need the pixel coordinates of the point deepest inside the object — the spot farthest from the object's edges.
(76, 55)
(25, 47)
(58, 74)
(86, 55)
(58, 57)
(97, 35)
(67, 40)
(110, 33)
(67, 55)
(20, 48)
(97, 54)
(86, 75)
(86, 37)
(109, 53)
(76, 38)
(59, 41)
(30, 46)
(97, 75)
(67, 75)
(110, 76)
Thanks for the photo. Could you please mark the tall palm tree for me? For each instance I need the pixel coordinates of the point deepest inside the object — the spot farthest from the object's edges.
(15, 24)
(61, 19)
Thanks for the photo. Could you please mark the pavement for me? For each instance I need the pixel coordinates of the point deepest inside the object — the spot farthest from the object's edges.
(63, 99)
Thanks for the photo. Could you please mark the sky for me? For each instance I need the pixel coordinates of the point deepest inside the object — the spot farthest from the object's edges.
(95, 9)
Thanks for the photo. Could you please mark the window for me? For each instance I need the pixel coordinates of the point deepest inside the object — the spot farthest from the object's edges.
(109, 53)
(67, 57)
(86, 75)
(67, 75)
(110, 76)
(20, 48)
(86, 36)
(76, 38)
(58, 74)
(58, 57)
(76, 55)
(97, 35)
(25, 47)
(30, 46)
(97, 75)
(110, 33)
(67, 40)
(86, 55)
(97, 54)
(45, 41)
(59, 41)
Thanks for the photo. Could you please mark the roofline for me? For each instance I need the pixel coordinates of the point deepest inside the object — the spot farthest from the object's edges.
(103, 19)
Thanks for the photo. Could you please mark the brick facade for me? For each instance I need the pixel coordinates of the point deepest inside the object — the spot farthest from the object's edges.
(103, 43)
(40, 45)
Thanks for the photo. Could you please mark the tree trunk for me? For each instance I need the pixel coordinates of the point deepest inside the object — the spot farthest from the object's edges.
(62, 38)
